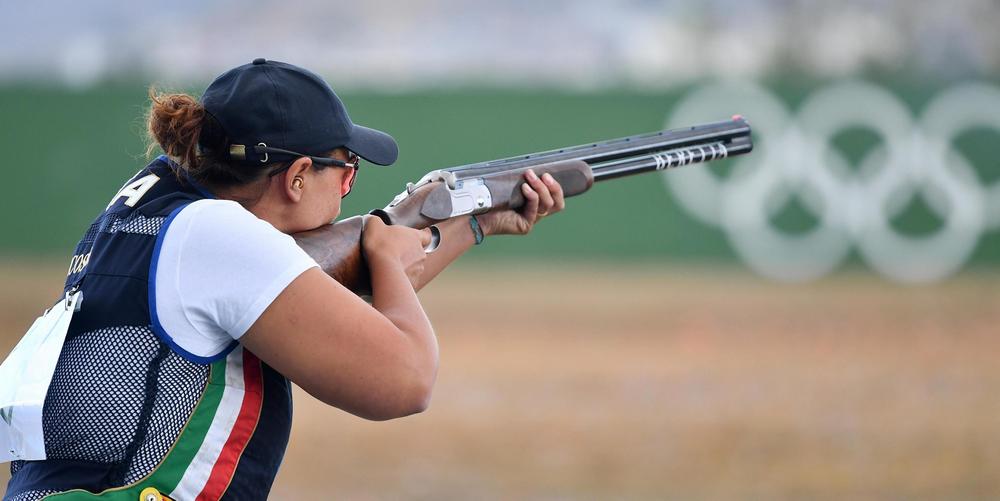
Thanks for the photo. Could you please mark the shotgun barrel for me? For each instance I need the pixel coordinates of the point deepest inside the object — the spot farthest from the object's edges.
(634, 154)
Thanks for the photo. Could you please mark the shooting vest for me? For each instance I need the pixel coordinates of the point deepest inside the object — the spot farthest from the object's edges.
(128, 410)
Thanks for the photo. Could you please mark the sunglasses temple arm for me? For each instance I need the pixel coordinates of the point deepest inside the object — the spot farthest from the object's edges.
(320, 160)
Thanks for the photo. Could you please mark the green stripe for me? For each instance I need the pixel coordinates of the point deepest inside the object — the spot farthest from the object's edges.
(168, 474)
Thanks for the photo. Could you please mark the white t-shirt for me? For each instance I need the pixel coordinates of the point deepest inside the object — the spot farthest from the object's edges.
(218, 268)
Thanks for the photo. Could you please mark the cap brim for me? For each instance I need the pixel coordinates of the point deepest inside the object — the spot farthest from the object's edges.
(373, 145)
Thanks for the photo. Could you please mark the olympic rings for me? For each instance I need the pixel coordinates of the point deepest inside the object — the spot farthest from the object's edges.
(794, 157)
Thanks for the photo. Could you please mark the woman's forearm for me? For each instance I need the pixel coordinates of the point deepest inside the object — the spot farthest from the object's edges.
(416, 367)
(394, 297)
(456, 238)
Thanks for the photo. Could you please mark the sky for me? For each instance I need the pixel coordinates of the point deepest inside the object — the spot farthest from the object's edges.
(427, 43)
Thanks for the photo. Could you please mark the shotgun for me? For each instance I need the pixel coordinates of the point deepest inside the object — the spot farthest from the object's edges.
(496, 185)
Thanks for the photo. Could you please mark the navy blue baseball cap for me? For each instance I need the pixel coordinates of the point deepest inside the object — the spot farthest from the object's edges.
(267, 105)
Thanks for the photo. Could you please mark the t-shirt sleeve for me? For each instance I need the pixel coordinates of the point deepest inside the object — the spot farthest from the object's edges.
(218, 268)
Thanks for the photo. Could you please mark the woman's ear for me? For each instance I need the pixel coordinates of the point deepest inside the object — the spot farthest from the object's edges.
(294, 179)
(347, 180)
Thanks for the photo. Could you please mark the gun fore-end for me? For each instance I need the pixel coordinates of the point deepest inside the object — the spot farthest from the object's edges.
(574, 176)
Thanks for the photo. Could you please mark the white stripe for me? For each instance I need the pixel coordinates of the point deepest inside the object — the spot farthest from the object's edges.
(660, 162)
(197, 473)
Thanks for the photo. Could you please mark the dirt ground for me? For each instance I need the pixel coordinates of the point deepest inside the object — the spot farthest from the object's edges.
(589, 381)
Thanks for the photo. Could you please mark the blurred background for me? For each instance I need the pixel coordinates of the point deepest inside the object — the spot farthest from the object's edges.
(815, 320)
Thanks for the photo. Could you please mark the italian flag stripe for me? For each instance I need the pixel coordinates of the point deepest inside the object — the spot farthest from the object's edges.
(246, 423)
(208, 473)
(171, 471)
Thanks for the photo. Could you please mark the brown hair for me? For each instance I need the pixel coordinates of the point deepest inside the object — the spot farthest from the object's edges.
(193, 138)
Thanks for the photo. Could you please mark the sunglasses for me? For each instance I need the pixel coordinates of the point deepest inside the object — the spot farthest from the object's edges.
(353, 161)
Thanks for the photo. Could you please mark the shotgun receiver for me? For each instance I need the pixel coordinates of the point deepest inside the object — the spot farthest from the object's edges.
(496, 185)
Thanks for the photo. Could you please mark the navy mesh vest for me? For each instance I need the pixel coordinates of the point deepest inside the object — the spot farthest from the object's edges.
(127, 409)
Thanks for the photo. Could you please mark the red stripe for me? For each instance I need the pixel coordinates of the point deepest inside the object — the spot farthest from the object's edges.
(246, 422)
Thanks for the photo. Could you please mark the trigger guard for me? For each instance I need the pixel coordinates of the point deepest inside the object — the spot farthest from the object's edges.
(435, 240)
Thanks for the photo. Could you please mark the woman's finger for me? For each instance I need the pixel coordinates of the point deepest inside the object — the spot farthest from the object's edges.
(545, 202)
(370, 220)
(432, 242)
(426, 237)
(530, 210)
(557, 192)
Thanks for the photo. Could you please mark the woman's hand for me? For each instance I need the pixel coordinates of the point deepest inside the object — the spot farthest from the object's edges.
(542, 197)
(396, 245)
